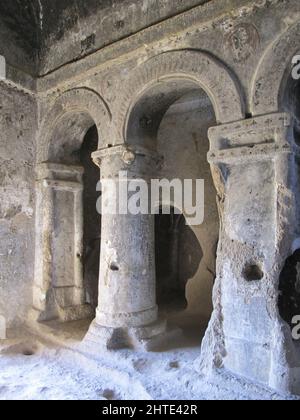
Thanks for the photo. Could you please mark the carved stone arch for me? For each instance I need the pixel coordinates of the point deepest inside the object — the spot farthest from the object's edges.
(273, 72)
(195, 66)
(75, 101)
(59, 290)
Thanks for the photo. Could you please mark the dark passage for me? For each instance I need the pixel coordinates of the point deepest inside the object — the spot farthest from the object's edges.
(92, 220)
(178, 255)
(289, 288)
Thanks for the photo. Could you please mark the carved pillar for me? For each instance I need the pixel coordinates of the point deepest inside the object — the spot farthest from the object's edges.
(127, 314)
(58, 283)
(252, 163)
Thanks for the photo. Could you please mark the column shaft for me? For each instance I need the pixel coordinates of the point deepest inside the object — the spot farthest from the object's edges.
(127, 283)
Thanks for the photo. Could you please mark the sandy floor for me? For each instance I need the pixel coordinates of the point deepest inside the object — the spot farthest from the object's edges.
(31, 369)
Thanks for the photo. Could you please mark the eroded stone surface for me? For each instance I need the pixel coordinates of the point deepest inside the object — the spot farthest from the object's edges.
(210, 86)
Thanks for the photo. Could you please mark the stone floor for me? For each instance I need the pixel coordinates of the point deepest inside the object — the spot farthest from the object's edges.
(35, 368)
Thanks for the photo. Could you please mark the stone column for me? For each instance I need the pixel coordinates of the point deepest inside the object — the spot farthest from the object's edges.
(252, 163)
(127, 315)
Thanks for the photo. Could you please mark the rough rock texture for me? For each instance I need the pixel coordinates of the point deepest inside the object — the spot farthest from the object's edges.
(18, 122)
(41, 28)
(246, 126)
(30, 370)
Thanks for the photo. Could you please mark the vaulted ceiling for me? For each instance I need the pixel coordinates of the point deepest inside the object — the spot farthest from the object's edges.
(33, 26)
(32, 21)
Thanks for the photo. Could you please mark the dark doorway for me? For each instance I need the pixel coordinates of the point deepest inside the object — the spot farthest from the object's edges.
(178, 255)
(92, 219)
(289, 289)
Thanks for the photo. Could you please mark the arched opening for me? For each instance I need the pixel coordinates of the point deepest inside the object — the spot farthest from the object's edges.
(178, 257)
(68, 234)
(67, 138)
(173, 118)
(289, 281)
(290, 102)
(170, 285)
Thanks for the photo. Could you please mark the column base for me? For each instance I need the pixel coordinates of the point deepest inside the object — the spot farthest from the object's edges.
(277, 367)
(130, 319)
(146, 338)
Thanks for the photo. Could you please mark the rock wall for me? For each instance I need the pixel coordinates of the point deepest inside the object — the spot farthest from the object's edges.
(17, 155)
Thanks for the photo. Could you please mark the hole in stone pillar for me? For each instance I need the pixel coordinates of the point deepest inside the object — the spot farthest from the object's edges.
(114, 267)
(289, 289)
(92, 219)
(253, 272)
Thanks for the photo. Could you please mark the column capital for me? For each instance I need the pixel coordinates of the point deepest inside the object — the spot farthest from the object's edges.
(260, 138)
(128, 154)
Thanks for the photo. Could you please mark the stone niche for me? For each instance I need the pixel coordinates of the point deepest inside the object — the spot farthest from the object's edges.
(59, 282)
